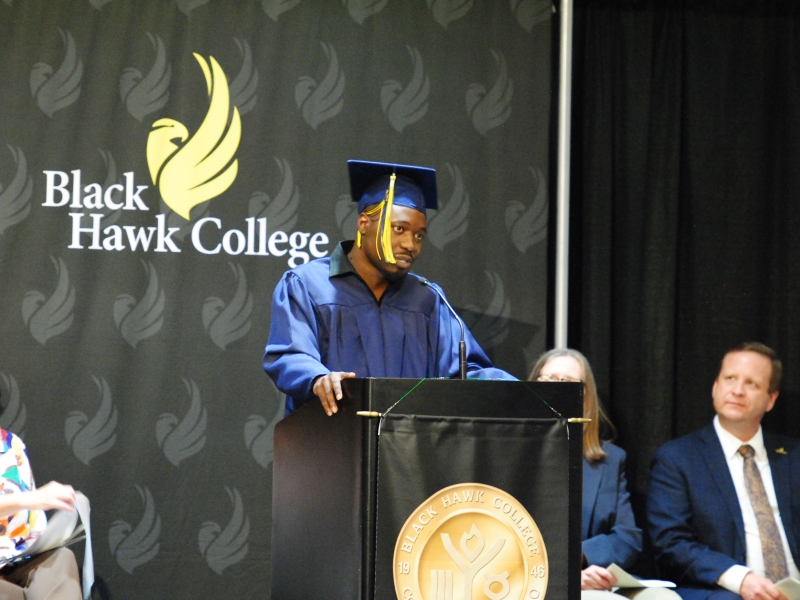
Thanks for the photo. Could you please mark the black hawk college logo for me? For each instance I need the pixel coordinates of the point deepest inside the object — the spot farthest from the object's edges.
(470, 541)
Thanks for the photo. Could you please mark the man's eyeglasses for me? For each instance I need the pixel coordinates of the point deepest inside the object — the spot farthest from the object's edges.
(557, 378)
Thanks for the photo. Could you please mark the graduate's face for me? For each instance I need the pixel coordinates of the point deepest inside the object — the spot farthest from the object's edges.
(408, 231)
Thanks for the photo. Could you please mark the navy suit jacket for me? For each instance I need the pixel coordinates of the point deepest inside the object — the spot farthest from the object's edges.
(610, 534)
(693, 514)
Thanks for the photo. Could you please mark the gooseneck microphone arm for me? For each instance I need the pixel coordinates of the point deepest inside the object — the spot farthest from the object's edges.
(462, 345)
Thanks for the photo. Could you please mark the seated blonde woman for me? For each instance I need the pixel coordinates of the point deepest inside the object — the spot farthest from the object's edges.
(609, 532)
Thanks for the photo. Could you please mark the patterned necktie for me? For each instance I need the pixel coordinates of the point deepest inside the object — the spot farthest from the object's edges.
(771, 545)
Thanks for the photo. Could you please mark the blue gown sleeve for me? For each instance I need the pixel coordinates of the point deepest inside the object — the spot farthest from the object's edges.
(621, 540)
(292, 357)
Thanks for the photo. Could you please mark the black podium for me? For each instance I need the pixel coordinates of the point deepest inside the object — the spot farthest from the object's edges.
(343, 494)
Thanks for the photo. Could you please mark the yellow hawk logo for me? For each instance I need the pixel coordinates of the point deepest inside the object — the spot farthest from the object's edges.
(197, 170)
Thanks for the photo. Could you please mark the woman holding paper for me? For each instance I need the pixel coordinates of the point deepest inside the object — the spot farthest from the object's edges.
(609, 532)
(51, 575)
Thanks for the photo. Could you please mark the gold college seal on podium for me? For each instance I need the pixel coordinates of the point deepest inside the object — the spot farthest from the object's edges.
(470, 541)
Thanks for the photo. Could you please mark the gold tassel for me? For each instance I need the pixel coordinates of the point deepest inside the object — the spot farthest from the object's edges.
(383, 240)
(385, 230)
(376, 209)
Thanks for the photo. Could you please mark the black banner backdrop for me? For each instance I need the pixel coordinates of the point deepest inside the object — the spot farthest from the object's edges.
(526, 458)
(132, 335)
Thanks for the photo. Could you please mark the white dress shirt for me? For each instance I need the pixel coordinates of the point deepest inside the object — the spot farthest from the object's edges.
(732, 578)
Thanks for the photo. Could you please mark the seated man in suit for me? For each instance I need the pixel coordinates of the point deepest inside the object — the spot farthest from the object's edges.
(723, 509)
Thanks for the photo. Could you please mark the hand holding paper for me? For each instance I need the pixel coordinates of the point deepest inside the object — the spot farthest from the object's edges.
(626, 580)
(789, 587)
(53, 495)
(63, 528)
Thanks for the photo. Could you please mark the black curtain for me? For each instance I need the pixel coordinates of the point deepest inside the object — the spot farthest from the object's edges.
(685, 189)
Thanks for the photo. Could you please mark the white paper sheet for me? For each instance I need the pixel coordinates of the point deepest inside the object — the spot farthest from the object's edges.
(626, 580)
(790, 588)
(62, 527)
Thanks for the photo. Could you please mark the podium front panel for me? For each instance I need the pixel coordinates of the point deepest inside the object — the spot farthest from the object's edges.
(318, 508)
(326, 473)
(480, 502)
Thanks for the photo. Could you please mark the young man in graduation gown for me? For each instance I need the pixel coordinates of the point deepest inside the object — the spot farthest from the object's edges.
(361, 312)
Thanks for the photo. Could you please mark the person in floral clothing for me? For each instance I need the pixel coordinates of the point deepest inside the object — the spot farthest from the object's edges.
(54, 574)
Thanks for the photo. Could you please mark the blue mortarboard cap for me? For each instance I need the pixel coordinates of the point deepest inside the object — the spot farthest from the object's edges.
(415, 187)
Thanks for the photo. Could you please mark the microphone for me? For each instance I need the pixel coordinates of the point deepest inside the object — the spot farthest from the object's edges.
(462, 345)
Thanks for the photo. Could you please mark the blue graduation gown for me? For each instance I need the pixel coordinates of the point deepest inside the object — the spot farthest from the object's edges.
(325, 318)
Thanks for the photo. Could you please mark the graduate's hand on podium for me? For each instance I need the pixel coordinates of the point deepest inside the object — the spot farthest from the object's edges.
(328, 388)
(597, 578)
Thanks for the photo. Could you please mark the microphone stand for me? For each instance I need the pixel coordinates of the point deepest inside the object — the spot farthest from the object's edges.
(462, 345)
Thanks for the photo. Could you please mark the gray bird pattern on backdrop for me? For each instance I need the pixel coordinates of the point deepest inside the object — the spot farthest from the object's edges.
(55, 89)
(226, 323)
(180, 439)
(446, 11)
(89, 438)
(259, 434)
(450, 222)
(321, 101)
(282, 210)
(135, 546)
(48, 317)
(528, 224)
(15, 199)
(275, 8)
(404, 106)
(140, 320)
(489, 110)
(223, 547)
(14, 414)
(244, 85)
(490, 325)
(144, 95)
(360, 10)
